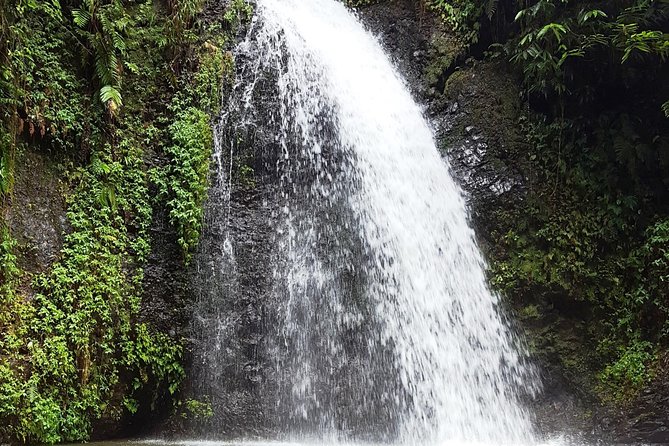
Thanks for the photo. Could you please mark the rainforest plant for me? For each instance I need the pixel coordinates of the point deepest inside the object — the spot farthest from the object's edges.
(74, 347)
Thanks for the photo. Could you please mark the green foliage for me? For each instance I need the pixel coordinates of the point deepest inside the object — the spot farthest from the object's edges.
(213, 69)
(185, 181)
(82, 336)
(13, 314)
(51, 92)
(462, 16)
(650, 264)
(76, 350)
(7, 258)
(560, 41)
(38, 68)
(103, 25)
(9, 272)
(157, 359)
(586, 233)
(240, 11)
(189, 172)
(198, 410)
(13, 32)
(566, 47)
(182, 14)
(6, 164)
(630, 371)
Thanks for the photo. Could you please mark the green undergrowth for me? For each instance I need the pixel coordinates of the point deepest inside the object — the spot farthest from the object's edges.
(185, 181)
(590, 242)
(81, 334)
(74, 347)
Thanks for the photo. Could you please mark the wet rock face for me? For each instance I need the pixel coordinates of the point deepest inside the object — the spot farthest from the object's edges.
(167, 299)
(231, 278)
(37, 213)
(646, 420)
(404, 31)
(477, 129)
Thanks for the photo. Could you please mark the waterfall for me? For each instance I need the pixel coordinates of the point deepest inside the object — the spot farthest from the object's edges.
(378, 324)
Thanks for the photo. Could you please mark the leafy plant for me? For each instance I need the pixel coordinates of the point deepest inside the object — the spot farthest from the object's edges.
(240, 11)
(192, 145)
(83, 335)
(191, 150)
(103, 26)
(198, 409)
(5, 172)
(630, 371)
(462, 16)
(555, 33)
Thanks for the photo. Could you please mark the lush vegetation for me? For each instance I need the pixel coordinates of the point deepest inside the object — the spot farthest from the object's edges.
(78, 335)
(105, 88)
(185, 180)
(591, 233)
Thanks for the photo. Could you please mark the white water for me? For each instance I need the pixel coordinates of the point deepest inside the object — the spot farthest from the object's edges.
(384, 321)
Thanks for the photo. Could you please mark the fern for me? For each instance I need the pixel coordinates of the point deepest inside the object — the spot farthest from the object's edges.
(665, 108)
(111, 97)
(490, 8)
(103, 27)
(183, 12)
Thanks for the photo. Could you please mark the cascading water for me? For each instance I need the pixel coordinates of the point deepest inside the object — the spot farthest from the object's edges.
(379, 323)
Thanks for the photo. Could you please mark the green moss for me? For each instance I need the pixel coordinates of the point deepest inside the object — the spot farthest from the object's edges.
(443, 52)
(457, 83)
(530, 312)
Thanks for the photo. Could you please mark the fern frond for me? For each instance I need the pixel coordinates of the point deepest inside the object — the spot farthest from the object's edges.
(491, 8)
(106, 23)
(81, 18)
(119, 43)
(108, 94)
(116, 68)
(102, 67)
